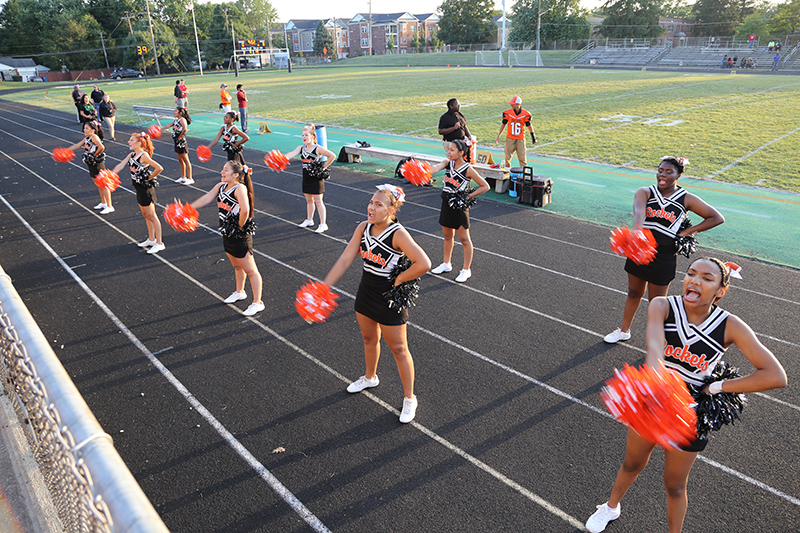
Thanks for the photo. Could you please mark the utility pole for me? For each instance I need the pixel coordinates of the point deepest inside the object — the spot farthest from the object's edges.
(503, 46)
(196, 40)
(370, 27)
(103, 43)
(152, 38)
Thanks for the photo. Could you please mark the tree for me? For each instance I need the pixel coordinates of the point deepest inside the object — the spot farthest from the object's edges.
(677, 9)
(787, 18)
(716, 17)
(258, 15)
(323, 41)
(756, 24)
(466, 21)
(390, 44)
(630, 19)
(561, 20)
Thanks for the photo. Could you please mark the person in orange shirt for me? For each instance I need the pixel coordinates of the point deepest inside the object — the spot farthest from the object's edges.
(225, 97)
(517, 120)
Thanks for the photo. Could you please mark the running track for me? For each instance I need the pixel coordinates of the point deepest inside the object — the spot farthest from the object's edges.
(232, 424)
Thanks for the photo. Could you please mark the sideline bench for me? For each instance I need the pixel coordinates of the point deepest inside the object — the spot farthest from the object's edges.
(499, 176)
(152, 113)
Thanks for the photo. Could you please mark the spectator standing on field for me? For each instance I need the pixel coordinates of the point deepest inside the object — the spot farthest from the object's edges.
(453, 125)
(96, 96)
(225, 98)
(179, 95)
(242, 99)
(107, 113)
(775, 61)
(517, 119)
(77, 98)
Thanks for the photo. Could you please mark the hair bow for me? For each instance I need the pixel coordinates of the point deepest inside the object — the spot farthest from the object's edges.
(734, 269)
(144, 135)
(397, 192)
(682, 160)
(247, 169)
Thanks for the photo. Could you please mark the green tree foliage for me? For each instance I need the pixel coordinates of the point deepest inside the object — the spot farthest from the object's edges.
(677, 9)
(466, 21)
(258, 15)
(716, 17)
(323, 41)
(786, 19)
(631, 19)
(757, 24)
(561, 20)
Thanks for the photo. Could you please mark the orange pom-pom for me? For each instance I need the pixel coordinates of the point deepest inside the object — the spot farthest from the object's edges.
(656, 405)
(63, 155)
(204, 153)
(639, 246)
(276, 161)
(107, 179)
(182, 217)
(315, 302)
(154, 131)
(417, 172)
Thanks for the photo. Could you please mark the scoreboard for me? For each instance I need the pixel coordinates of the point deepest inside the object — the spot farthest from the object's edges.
(253, 45)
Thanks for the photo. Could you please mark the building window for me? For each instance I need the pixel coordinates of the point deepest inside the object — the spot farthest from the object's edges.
(364, 29)
(670, 27)
(364, 42)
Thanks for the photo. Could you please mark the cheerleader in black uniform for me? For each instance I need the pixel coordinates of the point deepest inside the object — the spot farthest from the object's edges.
(381, 241)
(143, 173)
(689, 335)
(230, 138)
(180, 126)
(234, 197)
(661, 208)
(457, 177)
(314, 175)
(94, 156)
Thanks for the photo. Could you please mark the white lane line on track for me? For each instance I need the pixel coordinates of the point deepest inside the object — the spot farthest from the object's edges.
(759, 215)
(558, 392)
(265, 474)
(582, 183)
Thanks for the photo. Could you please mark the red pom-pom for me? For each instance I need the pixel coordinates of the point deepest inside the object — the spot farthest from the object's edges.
(182, 217)
(63, 155)
(656, 405)
(107, 179)
(315, 302)
(154, 131)
(639, 246)
(417, 172)
(276, 161)
(204, 153)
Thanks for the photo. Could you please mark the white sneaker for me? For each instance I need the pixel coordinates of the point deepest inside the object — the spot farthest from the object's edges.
(99, 206)
(146, 243)
(180, 180)
(441, 269)
(306, 223)
(363, 383)
(409, 410)
(464, 275)
(253, 308)
(235, 297)
(321, 229)
(616, 336)
(188, 181)
(106, 210)
(600, 519)
(156, 248)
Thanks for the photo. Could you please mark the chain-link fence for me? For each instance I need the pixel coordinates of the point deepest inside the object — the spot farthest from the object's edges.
(91, 488)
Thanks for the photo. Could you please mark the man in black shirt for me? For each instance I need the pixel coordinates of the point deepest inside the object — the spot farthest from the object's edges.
(97, 97)
(453, 125)
(77, 95)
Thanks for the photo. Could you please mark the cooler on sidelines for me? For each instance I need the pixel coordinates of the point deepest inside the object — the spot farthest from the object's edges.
(515, 174)
(533, 190)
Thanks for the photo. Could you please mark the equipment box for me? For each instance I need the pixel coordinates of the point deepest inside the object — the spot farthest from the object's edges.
(534, 190)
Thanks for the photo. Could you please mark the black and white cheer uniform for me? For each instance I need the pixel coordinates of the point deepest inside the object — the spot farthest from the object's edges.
(311, 185)
(455, 179)
(379, 259)
(140, 174)
(693, 350)
(663, 217)
(180, 141)
(89, 148)
(228, 205)
(229, 139)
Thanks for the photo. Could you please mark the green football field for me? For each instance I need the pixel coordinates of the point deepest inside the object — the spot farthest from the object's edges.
(739, 128)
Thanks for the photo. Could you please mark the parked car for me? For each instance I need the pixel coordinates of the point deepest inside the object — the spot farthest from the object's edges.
(118, 74)
(36, 78)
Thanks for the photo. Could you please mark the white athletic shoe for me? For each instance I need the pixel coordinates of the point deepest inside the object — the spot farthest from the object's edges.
(600, 519)
(616, 336)
(156, 248)
(321, 229)
(409, 410)
(464, 275)
(147, 243)
(100, 206)
(235, 297)
(306, 223)
(188, 181)
(363, 383)
(253, 308)
(180, 180)
(441, 269)
(106, 210)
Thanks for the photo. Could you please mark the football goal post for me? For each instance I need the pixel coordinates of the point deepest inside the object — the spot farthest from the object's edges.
(525, 58)
(493, 58)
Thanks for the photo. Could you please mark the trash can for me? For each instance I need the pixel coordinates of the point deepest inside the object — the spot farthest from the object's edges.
(322, 138)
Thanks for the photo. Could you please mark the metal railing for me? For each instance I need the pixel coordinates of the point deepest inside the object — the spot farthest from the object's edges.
(91, 488)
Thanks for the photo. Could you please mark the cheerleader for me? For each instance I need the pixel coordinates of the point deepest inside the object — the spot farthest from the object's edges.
(689, 334)
(180, 126)
(382, 241)
(661, 208)
(230, 138)
(234, 197)
(457, 177)
(143, 173)
(315, 172)
(94, 156)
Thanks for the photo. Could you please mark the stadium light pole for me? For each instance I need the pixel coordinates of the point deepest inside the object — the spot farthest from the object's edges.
(196, 40)
(538, 31)
(503, 46)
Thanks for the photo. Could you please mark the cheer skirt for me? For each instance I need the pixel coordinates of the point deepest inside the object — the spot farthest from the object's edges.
(371, 303)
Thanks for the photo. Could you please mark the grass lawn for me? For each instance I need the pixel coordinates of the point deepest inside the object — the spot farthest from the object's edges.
(738, 128)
